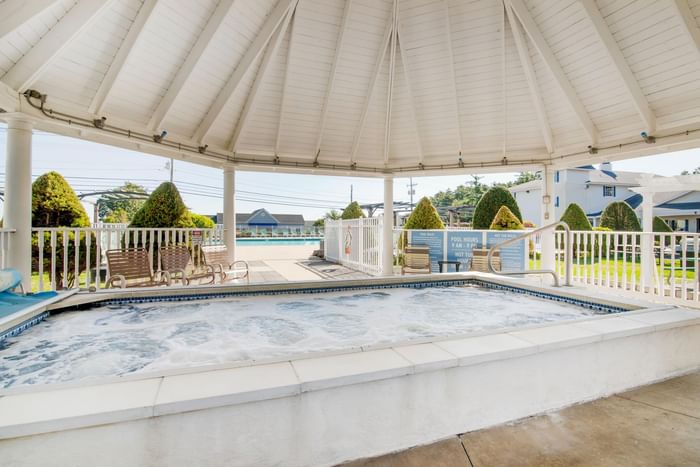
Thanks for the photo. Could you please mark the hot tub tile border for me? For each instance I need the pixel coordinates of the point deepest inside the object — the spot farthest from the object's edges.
(591, 305)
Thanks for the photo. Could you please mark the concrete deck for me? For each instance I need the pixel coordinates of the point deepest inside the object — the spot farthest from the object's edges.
(655, 425)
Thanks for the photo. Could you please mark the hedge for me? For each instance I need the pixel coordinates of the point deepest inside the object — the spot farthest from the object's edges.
(619, 216)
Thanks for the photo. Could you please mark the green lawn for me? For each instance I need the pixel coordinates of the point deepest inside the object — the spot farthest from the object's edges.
(623, 268)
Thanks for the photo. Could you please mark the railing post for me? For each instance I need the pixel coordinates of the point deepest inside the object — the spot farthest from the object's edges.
(548, 243)
(569, 258)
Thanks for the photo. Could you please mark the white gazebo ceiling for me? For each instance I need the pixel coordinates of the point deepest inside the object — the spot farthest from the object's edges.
(386, 86)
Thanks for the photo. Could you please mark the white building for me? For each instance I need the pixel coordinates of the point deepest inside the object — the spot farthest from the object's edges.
(593, 189)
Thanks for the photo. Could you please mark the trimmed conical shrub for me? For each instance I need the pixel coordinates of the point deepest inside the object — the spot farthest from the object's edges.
(163, 209)
(575, 218)
(505, 220)
(55, 204)
(619, 216)
(352, 211)
(424, 216)
(489, 204)
(660, 225)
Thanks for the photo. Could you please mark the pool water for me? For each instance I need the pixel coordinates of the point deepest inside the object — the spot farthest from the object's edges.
(118, 340)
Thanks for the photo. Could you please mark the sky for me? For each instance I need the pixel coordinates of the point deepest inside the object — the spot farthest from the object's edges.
(92, 167)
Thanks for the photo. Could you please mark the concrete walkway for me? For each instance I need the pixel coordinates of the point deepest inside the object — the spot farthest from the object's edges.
(657, 425)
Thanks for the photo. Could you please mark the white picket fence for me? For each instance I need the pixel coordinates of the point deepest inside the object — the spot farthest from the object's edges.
(355, 243)
(614, 260)
(75, 257)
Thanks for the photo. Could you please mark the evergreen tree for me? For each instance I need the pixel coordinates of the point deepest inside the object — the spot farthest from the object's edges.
(352, 211)
(619, 216)
(575, 218)
(505, 220)
(490, 203)
(55, 204)
(202, 222)
(424, 217)
(163, 209)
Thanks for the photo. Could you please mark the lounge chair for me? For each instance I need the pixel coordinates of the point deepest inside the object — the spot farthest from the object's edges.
(479, 261)
(416, 260)
(11, 301)
(177, 261)
(217, 257)
(131, 267)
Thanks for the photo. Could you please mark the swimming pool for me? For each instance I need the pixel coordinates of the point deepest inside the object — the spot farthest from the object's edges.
(120, 339)
(244, 241)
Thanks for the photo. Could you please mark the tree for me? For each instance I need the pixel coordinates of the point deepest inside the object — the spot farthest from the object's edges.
(424, 216)
(575, 218)
(320, 222)
(333, 215)
(352, 211)
(118, 216)
(505, 220)
(660, 225)
(524, 177)
(55, 204)
(619, 216)
(201, 221)
(108, 203)
(163, 209)
(490, 203)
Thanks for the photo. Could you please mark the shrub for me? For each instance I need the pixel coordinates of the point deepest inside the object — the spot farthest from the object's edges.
(352, 211)
(660, 225)
(575, 218)
(489, 204)
(424, 217)
(505, 220)
(201, 221)
(163, 209)
(619, 216)
(55, 204)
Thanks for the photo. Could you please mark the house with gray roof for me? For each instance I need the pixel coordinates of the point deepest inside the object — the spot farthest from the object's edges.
(594, 188)
(262, 220)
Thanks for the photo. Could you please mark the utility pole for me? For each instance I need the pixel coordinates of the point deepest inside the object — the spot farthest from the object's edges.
(411, 190)
(351, 193)
(172, 167)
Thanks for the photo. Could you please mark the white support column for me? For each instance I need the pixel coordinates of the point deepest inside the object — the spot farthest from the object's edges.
(388, 228)
(647, 256)
(17, 213)
(230, 212)
(547, 217)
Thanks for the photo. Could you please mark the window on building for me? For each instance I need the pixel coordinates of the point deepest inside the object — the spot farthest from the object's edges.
(608, 191)
(697, 224)
(556, 177)
(556, 202)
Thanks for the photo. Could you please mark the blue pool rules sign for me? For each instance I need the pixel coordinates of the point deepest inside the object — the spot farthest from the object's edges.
(461, 243)
(435, 240)
(512, 256)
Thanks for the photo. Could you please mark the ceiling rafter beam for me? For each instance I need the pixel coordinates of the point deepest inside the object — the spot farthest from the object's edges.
(268, 57)
(411, 100)
(31, 66)
(690, 25)
(370, 88)
(115, 68)
(249, 58)
(193, 58)
(283, 97)
(331, 77)
(623, 70)
(531, 77)
(453, 74)
(15, 13)
(390, 89)
(554, 68)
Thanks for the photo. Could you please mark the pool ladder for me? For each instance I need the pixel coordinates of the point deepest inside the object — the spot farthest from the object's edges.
(568, 256)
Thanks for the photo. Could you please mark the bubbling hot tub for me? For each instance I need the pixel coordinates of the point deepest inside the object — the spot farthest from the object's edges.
(123, 337)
